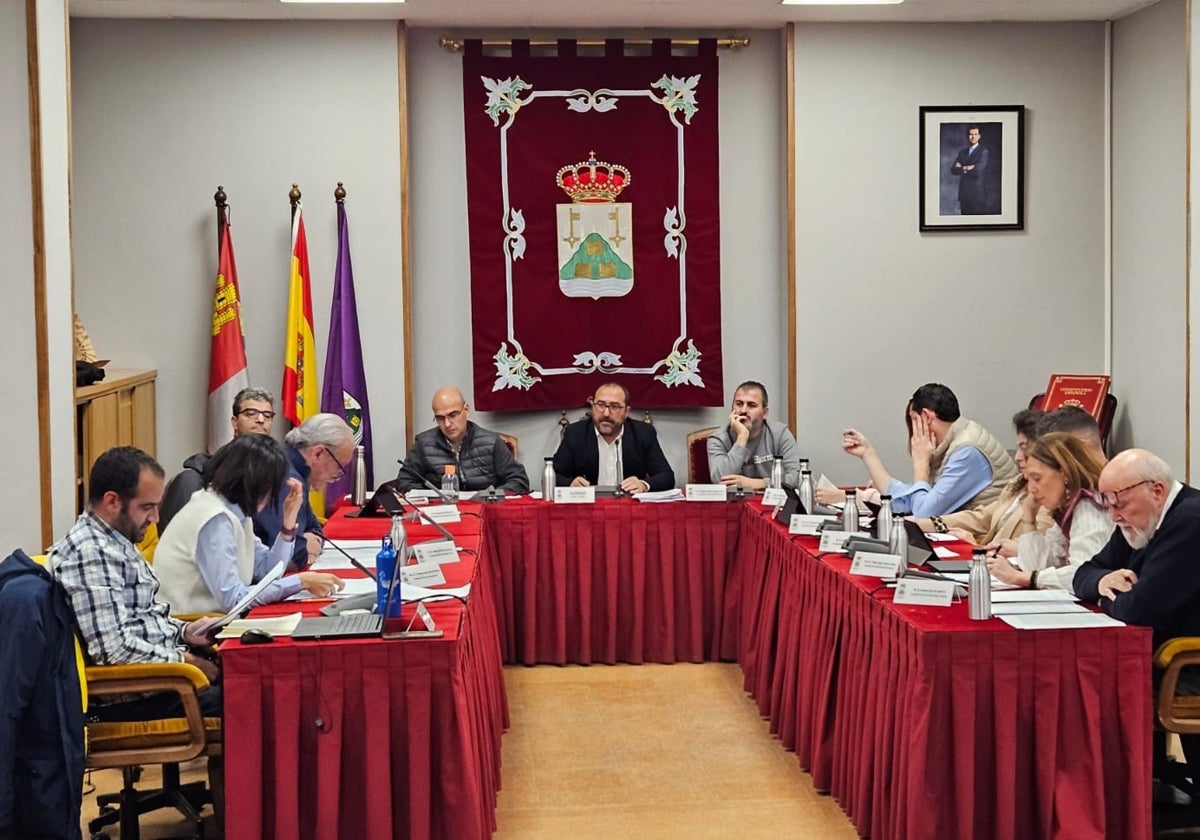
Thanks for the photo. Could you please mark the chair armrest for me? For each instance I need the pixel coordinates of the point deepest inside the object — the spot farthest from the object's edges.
(1171, 658)
(166, 676)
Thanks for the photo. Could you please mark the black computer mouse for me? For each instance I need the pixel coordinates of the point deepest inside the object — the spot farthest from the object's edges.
(254, 636)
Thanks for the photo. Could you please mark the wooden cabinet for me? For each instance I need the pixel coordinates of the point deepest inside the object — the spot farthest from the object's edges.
(119, 411)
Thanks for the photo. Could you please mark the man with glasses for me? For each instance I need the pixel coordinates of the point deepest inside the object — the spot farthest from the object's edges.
(607, 450)
(253, 412)
(744, 451)
(319, 450)
(1149, 573)
(479, 456)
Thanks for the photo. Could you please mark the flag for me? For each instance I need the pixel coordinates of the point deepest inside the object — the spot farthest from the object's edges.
(344, 389)
(227, 364)
(299, 393)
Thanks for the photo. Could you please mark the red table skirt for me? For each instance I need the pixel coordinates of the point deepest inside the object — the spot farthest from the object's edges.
(925, 724)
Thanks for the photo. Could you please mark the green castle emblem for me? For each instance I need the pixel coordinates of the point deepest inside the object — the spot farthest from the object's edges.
(595, 260)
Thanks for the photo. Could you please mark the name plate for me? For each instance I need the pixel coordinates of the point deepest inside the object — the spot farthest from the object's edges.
(773, 496)
(574, 495)
(927, 593)
(443, 513)
(704, 492)
(870, 564)
(426, 618)
(836, 540)
(807, 524)
(436, 551)
(422, 574)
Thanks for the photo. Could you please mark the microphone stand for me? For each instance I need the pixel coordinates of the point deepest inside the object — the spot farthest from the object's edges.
(406, 468)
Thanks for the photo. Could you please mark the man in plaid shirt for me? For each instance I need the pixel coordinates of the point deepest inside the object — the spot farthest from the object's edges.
(112, 588)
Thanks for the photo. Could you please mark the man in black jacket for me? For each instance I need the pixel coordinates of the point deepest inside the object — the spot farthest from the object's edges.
(606, 449)
(1149, 572)
(480, 456)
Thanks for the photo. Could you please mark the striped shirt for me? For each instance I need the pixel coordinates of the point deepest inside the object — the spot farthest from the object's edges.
(112, 591)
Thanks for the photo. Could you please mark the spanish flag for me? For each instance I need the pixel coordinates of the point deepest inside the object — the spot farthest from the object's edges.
(299, 393)
(227, 363)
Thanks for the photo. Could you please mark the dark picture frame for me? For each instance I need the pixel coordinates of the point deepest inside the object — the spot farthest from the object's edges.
(972, 167)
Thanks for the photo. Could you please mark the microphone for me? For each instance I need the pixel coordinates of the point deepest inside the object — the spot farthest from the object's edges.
(365, 601)
(423, 515)
(406, 468)
(354, 561)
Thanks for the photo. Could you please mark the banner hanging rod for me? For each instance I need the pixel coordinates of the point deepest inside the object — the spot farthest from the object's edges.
(456, 44)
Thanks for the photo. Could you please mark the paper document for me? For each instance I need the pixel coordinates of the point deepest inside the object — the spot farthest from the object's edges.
(330, 559)
(355, 586)
(674, 495)
(278, 625)
(1012, 595)
(422, 593)
(944, 553)
(936, 537)
(1061, 621)
(1038, 608)
(254, 591)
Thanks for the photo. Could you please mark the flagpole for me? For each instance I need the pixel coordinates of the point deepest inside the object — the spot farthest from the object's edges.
(339, 195)
(219, 198)
(294, 197)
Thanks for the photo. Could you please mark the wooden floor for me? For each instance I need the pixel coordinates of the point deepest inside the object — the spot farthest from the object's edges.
(663, 751)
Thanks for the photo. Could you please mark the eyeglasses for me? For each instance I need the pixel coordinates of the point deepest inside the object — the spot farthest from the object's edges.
(609, 407)
(447, 418)
(1112, 498)
(255, 413)
(341, 467)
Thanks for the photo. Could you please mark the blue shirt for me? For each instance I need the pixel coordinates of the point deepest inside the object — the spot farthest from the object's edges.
(216, 557)
(964, 476)
(269, 520)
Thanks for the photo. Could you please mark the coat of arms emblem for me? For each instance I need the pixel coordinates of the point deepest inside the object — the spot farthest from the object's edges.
(595, 232)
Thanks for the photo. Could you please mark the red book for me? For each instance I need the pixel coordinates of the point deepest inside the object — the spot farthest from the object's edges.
(1084, 391)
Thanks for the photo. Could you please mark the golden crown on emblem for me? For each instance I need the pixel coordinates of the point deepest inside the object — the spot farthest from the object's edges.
(593, 181)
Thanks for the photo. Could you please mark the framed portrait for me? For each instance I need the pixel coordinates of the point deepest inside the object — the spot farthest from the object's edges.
(972, 164)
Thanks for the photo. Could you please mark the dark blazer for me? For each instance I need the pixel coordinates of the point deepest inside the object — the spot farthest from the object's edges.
(641, 456)
(1167, 593)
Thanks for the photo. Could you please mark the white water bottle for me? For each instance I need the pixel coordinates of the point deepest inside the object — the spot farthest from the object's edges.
(450, 483)
(979, 587)
(549, 478)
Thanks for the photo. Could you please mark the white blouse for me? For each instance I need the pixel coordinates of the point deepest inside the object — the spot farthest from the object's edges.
(1049, 553)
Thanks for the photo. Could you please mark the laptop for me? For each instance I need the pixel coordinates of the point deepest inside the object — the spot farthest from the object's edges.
(349, 625)
(384, 502)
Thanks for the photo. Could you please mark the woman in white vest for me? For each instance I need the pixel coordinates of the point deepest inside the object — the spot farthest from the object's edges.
(1063, 475)
(208, 557)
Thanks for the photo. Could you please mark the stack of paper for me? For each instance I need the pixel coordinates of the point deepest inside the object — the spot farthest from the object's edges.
(279, 625)
(674, 495)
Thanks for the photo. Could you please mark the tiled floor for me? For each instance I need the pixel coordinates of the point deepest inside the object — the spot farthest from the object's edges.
(663, 751)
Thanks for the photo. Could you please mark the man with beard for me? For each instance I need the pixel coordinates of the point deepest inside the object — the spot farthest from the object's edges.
(607, 450)
(112, 588)
(744, 451)
(1147, 573)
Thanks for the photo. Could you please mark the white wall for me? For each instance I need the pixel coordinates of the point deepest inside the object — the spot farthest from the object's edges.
(164, 111)
(21, 524)
(752, 246)
(1149, 228)
(884, 308)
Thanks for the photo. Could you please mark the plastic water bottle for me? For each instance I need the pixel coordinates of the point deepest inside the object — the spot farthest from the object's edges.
(360, 476)
(883, 519)
(979, 587)
(806, 489)
(450, 483)
(776, 475)
(898, 543)
(385, 568)
(850, 512)
(549, 478)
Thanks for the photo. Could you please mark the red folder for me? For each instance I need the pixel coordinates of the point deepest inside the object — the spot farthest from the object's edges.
(1084, 391)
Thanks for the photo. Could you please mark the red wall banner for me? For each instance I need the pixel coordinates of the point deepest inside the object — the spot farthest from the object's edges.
(593, 206)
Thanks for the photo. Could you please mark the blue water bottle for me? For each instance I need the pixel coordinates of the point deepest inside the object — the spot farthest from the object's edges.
(385, 567)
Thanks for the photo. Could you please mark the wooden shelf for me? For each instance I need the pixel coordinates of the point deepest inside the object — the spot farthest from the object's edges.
(117, 411)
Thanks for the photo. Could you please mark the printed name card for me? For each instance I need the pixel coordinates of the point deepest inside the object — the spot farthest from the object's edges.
(870, 564)
(927, 593)
(574, 495)
(773, 496)
(443, 513)
(836, 540)
(436, 551)
(422, 574)
(806, 524)
(704, 492)
(426, 618)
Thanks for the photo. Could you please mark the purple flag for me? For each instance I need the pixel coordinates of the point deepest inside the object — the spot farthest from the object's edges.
(345, 387)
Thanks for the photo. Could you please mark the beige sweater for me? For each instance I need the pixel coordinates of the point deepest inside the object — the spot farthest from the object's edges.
(964, 432)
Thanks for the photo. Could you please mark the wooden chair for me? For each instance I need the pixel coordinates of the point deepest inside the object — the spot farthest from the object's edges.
(1178, 713)
(1104, 421)
(697, 455)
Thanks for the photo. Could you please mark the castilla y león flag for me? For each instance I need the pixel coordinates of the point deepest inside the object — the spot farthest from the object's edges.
(593, 208)
(227, 364)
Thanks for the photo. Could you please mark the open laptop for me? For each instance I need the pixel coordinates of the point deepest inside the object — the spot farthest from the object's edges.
(350, 625)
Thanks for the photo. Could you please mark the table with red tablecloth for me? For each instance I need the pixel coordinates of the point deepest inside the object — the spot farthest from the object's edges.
(923, 723)
(370, 738)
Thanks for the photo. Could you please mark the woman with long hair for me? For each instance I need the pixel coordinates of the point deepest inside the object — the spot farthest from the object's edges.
(208, 557)
(1060, 471)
